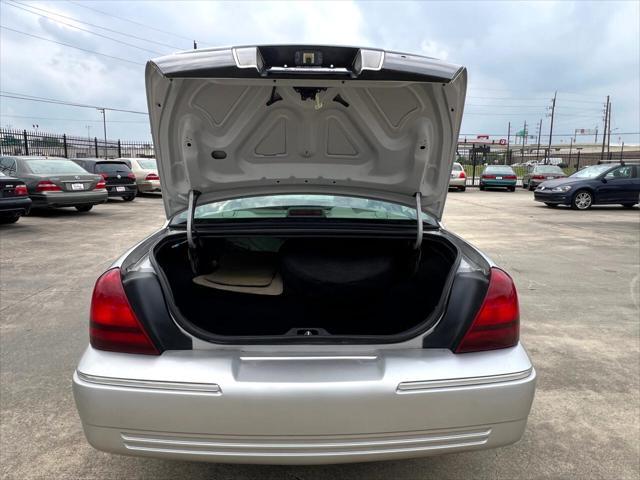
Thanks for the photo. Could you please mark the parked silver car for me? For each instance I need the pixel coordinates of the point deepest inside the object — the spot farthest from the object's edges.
(303, 303)
(537, 174)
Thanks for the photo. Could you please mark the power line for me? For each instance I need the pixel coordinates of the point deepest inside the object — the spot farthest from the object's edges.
(20, 96)
(2, 115)
(173, 47)
(83, 29)
(130, 21)
(69, 45)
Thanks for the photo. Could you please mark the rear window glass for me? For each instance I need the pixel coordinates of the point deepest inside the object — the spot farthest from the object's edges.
(456, 167)
(54, 166)
(283, 206)
(498, 169)
(548, 169)
(147, 164)
(111, 167)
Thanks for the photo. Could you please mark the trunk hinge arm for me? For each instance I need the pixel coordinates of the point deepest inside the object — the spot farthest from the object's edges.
(418, 242)
(194, 257)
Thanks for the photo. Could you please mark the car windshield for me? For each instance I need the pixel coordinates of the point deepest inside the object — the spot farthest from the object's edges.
(283, 206)
(147, 164)
(54, 166)
(591, 172)
(548, 169)
(111, 167)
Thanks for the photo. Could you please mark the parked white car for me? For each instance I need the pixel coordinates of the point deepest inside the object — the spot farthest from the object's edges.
(303, 304)
(458, 177)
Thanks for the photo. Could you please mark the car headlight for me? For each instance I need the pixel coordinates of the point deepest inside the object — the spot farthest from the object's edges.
(562, 188)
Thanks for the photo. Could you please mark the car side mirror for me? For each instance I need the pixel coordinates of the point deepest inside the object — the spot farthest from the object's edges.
(603, 180)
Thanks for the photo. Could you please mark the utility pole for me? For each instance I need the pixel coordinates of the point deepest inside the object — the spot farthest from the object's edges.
(524, 136)
(539, 133)
(104, 127)
(596, 139)
(609, 132)
(553, 111)
(88, 127)
(508, 140)
(604, 132)
(570, 150)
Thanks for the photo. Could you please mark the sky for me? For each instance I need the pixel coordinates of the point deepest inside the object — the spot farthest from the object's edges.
(517, 54)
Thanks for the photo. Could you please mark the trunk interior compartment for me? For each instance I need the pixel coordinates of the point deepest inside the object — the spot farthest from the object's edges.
(266, 289)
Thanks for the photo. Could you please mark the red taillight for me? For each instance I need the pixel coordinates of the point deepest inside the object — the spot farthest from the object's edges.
(152, 176)
(497, 324)
(488, 176)
(104, 175)
(101, 185)
(131, 175)
(47, 186)
(114, 325)
(510, 177)
(20, 190)
(462, 175)
(538, 177)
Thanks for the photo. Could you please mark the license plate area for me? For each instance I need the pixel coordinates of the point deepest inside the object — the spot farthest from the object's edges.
(498, 178)
(121, 189)
(77, 186)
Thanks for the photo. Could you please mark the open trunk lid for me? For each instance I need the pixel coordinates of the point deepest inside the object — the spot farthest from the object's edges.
(247, 121)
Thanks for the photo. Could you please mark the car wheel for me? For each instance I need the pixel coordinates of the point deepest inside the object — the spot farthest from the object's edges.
(9, 218)
(128, 198)
(462, 189)
(526, 186)
(551, 205)
(84, 208)
(582, 200)
(531, 187)
(481, 187)
(628, 205)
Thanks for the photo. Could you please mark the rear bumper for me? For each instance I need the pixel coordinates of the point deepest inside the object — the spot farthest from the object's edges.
(13, 205)
(129, 190)
(457, 182)
(69, 199)
(231, 406)
(149, 186)
(498, 183)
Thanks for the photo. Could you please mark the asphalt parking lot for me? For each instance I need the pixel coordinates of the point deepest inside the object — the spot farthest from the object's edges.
(579, 284)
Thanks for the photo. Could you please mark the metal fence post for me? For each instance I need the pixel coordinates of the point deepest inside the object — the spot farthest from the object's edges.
(95, 144)
(64, 142)
(578, 162)
(473, 163)
(26, 142)
(119, 149)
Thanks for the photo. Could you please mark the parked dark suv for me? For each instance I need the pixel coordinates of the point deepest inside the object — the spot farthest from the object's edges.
(596, 185)
(120, 180)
